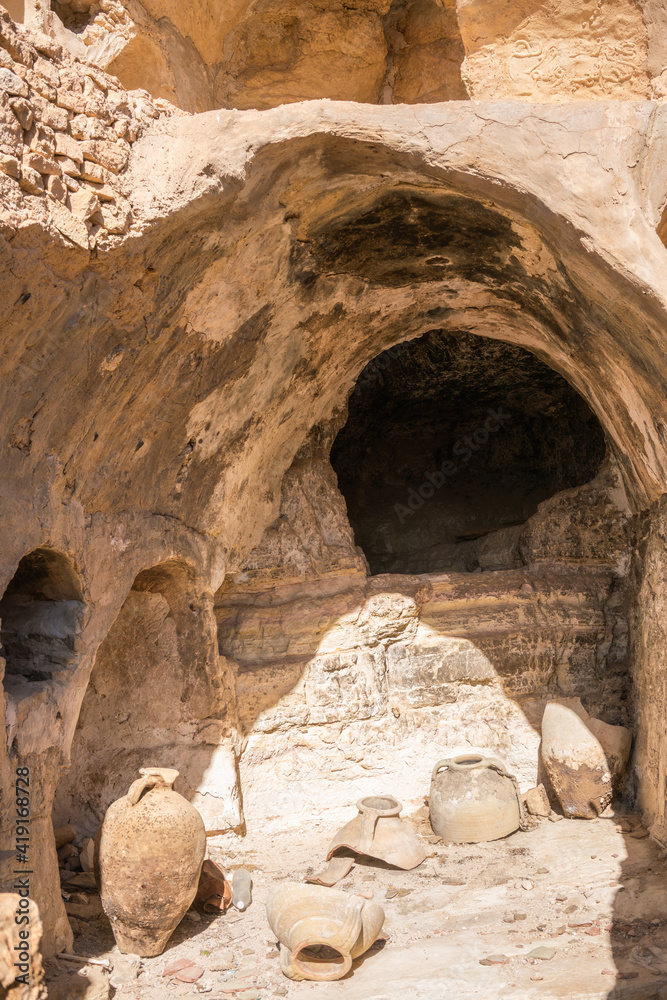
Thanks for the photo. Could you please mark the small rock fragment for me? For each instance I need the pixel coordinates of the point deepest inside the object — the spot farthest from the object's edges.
(64, 835)
(221, 961)
(189, 975)
(639, 833)
(494, 960)
(544, 953)
(527, 884)
(126, 970)
(537, 801)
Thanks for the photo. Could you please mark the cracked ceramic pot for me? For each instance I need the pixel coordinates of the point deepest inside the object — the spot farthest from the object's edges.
(378, 832)
(583, 757)
(473, 799)
(321, 930)
(151, 848)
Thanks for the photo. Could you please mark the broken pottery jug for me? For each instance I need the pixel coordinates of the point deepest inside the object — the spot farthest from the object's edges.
(583, 757)
(473, 799)
(321, 930)
(378, 833)
(151, 848)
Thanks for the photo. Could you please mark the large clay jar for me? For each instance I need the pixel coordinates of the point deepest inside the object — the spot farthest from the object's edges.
(473, 799)
(582, 756)
(378, 832)
(321, 930)
(151, 848)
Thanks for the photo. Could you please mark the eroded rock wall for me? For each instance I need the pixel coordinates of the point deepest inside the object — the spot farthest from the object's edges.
(349, 686)
(266, 52)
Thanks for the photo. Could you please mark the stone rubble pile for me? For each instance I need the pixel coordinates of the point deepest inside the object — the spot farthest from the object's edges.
(66, 130)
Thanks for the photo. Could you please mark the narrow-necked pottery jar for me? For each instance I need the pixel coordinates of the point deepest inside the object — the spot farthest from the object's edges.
(378, 832)
(151, 848)
(473, 799)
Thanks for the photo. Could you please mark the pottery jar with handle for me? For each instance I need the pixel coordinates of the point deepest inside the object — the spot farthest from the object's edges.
(473, 799)
(321, 930)
(151, 849)
(378, 832)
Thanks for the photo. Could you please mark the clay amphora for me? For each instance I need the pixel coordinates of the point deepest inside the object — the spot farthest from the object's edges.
(339, 927)
(473, 799)
(582, 756)
(151, 848)
(378, 833)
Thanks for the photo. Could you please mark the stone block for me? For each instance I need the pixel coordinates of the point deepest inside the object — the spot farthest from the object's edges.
(31, 181)
(67, 146)
(109, 155)
(23, 112)
(41, 163)
(12, 84)
(10, 165)
(50, 114)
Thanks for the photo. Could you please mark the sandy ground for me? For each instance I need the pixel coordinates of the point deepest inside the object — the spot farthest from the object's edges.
(589, 890)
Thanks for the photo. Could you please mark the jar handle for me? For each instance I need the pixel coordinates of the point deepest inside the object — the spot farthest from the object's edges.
(150, 778)
(441, 763)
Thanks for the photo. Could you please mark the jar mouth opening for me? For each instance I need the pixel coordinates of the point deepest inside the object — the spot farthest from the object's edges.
(384, 805)
(469, 760)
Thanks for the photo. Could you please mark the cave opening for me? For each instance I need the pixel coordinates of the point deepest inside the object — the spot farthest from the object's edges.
(41, 615)
(451, 443)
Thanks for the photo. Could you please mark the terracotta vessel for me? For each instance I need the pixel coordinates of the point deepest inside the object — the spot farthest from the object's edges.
(473, 799)
(378, 833)
(151, 848)
(321, 930)
(582, 756)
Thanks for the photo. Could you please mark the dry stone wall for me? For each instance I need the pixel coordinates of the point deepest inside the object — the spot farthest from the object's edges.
(65, 137)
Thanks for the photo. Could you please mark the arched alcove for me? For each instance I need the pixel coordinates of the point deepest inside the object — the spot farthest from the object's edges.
(154, 699)
(41, 615)
(453, 441)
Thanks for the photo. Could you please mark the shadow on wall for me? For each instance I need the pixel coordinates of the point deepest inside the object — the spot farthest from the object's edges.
(157, 697)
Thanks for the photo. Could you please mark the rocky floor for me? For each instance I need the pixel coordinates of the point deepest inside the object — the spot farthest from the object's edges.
(572, 909)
